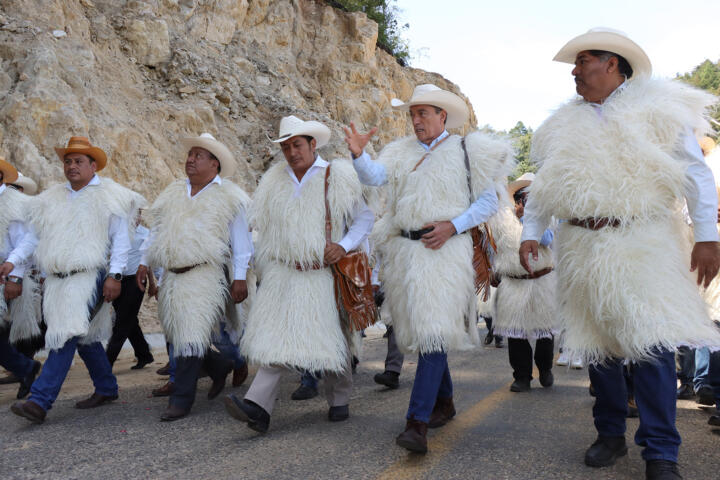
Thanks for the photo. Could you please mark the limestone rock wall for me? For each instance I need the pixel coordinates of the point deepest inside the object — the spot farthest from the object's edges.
(135, 76)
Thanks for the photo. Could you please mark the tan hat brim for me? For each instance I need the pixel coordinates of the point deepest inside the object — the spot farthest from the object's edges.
(517, 185)
(311, 128)
(457, 110)
(10, 173)
(610, 42)
(95, 153)
(221, 152)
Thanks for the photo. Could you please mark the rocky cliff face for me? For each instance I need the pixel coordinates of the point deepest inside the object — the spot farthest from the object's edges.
(135, 76)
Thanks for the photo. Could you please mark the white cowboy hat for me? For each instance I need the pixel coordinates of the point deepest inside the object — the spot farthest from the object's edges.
(29, 187)
(221, 152)
(521, 182)
(292, 126)
(429, 94)
(615, 41)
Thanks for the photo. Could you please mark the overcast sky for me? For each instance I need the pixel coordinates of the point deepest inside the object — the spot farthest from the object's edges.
(500, 53)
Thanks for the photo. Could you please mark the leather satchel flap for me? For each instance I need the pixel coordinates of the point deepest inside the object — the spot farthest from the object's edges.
(354, 266)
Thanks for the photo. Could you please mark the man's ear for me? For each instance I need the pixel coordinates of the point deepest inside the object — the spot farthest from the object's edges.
(612, 65)
(313, 145)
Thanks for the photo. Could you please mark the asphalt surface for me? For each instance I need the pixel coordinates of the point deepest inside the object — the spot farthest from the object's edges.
(496, 434)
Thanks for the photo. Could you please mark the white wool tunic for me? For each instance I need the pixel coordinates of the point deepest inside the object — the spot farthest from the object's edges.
(623, 291)
(193, 231)
(294, 321)
(524, 308)
(430, 293)
(73, 236)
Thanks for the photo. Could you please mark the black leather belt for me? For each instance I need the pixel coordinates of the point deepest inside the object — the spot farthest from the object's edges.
(67, 274)
(416, 234)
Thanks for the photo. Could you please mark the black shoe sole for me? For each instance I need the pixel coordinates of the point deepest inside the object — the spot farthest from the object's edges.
(338, 418)
(611, 461)
(389, 385)
(21, 413)
(239, 414)
(410, 446)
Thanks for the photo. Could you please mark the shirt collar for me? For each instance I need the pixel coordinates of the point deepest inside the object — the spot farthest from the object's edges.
(434, 142)
(2, 188)
(318, 163)
(619, 89)
(95, 180)
(217, 180)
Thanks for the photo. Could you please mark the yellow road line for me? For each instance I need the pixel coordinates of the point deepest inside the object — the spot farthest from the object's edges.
(412, 466)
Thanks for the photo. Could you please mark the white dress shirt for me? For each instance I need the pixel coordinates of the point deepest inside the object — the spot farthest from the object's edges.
(20, 243)
(134, 256)
(373, 173)
(363, 217)
(117, 232)
(700, 193)
(240, 238)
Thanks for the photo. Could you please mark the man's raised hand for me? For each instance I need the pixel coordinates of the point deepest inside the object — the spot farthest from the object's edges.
(356, 141)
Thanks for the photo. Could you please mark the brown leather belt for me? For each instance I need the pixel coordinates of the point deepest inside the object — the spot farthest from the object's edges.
(302, 267)
(593, 223)
(180, 270)
(531, 276)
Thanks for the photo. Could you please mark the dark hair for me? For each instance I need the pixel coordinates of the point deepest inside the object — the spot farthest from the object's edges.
(438, 110)
(213, 157)
(623, 66)
(308, 138)
(520, 196)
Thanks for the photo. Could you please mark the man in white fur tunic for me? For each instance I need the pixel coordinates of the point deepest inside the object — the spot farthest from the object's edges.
(615, 163)
(427, 258)
(294, 321)
(199, 237)
(83, 229)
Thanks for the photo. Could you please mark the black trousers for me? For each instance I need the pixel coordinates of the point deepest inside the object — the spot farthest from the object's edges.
(188, 370)
(127, 325)
(521, 356)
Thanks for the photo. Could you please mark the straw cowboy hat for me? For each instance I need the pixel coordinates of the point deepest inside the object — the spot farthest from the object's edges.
(521, 182)
(9, 172)
(292, 126)
(83, 145)
(615, 41)
(429, 94)
(221, 152)
(28, 185)
(707, 144)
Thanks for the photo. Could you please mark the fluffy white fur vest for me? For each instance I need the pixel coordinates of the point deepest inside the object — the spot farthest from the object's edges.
(193, 231)
(524, 308)
(73, 235)
(430, 292)
(13, 208)
(294, 321)
(623, 291)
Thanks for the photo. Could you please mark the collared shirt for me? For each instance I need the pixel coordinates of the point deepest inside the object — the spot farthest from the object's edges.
(363, 217)
(240, 238)
(134, 256)
(373, 173)
(117, 232)
(547, 236)
(20, 243)
(700, 193)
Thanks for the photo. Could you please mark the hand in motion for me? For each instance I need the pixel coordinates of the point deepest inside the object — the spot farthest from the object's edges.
(356, 141)
(238, 290)
(141, 277)
(440, 233)
(333, 253)
(526, 248)
(705, 258)
(111, 289)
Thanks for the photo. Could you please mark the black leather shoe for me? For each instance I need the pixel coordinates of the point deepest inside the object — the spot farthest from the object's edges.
(714, 421)
(705, 395)
(304, 392)
(498, 341)
(27, 382)
(605, 451)
(489, 338)
(249, 412)
(546, 378)
(173, 413)
(662, 470)
(142, 362)
(520, 385)
(685, 392)
(338, 414)
(388, 378)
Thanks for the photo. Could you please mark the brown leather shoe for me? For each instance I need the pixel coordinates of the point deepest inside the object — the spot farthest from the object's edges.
(164, 370)
(164, 391)
(30, 410)
(240, 375)
(443, 411)
(414, 438)
(95, 400)
(173, 413)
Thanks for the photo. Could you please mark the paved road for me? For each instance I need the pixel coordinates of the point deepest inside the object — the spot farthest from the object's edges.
(496, 435)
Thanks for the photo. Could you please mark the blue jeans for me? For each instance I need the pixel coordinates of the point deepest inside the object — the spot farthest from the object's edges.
(46, 387)
(226, 347)
(702, 362)
(12, 360)
(654, 384)
(713, 377)
(172, 361)
(432, 381)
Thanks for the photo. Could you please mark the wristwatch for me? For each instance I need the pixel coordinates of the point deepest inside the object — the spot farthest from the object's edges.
(15, 279)
(115, 276)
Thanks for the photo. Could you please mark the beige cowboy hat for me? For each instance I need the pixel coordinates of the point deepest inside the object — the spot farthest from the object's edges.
(521, 182)
(615, 41)
(83, 145)
(9, 172)
(28, 185)
(221, 152)
(292, 126)
(429, 94)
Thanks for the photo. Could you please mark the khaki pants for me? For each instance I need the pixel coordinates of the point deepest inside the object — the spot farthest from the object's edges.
(264, 387)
